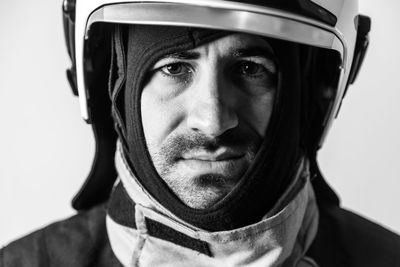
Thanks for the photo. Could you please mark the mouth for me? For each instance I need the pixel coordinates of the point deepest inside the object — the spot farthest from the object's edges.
(226, 162)
(220, 155)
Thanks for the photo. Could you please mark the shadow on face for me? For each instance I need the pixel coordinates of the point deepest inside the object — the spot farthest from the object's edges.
(205, 112)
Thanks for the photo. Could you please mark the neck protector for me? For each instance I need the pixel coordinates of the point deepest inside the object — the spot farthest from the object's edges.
(139, 47)
(280, 238)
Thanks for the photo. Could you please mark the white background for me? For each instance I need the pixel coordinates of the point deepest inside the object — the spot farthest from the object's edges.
(46, 149)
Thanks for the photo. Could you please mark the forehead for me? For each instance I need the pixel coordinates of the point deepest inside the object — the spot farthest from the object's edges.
(234, 44)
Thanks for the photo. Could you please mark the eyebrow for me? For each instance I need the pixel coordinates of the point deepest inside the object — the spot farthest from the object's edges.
(240, 52)
(256, 51)
(187, 55)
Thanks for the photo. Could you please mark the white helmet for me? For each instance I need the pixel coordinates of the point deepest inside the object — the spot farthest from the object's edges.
(334, 27)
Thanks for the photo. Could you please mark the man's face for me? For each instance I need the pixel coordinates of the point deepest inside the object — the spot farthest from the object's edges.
(205, 112)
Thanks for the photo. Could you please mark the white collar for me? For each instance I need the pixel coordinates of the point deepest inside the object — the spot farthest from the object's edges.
(281, 238)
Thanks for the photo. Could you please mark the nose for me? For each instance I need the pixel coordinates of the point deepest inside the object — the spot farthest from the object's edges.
(212, 110)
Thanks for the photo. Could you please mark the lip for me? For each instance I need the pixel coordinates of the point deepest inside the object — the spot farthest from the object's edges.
(220, 155)
(214, 166)
(227, 162)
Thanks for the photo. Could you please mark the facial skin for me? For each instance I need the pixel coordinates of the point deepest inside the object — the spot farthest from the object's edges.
(205, 112)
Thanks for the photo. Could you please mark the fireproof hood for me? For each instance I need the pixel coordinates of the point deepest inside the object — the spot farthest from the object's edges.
(277, 159)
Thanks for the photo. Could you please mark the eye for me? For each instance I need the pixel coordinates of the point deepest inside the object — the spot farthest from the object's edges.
(249, 68)
(176, 69)
(254, 76)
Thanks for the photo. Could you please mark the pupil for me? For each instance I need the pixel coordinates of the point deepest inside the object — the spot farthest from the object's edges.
(249, 68)
(174, 68)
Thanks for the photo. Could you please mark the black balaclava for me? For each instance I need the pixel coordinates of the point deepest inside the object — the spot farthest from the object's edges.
(136, 50)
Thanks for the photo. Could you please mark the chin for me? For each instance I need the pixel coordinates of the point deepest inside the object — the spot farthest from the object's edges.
(203, 200)
(201, 191)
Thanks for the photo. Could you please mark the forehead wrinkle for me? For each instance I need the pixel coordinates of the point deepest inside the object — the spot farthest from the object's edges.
(227, 48)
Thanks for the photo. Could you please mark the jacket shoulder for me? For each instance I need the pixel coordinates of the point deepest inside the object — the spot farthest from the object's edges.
(77, 241)
(354, 241)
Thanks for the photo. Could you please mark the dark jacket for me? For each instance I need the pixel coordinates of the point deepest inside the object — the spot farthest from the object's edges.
(343, 239)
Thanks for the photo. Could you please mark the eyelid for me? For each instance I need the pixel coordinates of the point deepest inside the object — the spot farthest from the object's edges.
(267, 63)
(169, 61)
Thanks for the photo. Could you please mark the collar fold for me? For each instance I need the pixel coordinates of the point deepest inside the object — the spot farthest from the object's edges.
(141, 229)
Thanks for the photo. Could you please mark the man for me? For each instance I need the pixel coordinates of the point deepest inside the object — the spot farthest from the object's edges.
(219, 109)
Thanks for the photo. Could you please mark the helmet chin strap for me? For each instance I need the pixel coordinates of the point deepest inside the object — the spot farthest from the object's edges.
(276, 161)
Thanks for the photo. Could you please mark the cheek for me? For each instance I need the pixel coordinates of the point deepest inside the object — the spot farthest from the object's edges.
(256, 112)
(159, 116)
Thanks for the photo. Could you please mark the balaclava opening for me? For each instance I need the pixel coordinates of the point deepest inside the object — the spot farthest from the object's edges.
(135, 50)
